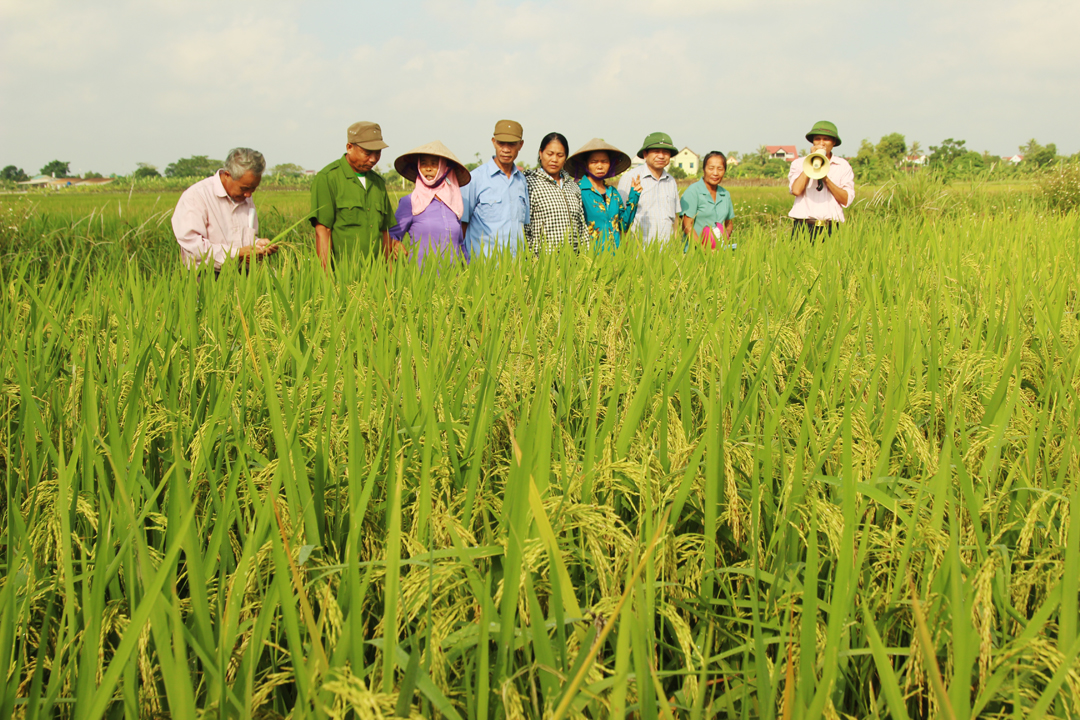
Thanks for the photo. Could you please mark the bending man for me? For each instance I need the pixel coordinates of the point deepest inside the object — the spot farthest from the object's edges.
(215, 218)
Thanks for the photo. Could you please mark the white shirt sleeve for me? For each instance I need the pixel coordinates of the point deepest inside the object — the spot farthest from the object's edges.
(189, 222)
(625, 184)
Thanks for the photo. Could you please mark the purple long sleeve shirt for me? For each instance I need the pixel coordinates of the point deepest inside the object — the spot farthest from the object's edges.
(436, 229)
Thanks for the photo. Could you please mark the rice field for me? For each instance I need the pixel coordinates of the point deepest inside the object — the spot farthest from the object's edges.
(784, 481)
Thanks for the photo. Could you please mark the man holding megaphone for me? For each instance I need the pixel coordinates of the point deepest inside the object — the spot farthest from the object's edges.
(823, 185)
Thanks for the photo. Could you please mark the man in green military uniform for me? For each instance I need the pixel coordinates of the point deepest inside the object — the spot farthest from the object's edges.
(350, 208)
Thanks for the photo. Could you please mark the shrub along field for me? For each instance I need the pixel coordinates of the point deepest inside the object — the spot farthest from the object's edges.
(787, 480)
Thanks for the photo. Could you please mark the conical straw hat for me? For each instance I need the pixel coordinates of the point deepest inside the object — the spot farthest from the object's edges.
(620, 161)
(406, 164)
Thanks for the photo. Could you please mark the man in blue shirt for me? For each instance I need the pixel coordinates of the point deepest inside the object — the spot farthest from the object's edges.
(496, 201)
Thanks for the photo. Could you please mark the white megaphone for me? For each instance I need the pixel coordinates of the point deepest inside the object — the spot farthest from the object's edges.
(816, 165)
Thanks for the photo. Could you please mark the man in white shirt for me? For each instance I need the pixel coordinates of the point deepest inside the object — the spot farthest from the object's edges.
(819, 204)
(215, 218)
(658, 208)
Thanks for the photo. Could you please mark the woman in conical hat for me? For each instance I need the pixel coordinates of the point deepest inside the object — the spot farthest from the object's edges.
(605, 213)
(431, 213)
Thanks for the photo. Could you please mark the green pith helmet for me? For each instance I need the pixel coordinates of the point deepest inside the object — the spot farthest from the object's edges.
(657, 141)
(823, 127)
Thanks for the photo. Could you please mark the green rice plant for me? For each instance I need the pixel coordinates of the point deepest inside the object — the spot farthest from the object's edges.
(1060, 187)
(785, 481)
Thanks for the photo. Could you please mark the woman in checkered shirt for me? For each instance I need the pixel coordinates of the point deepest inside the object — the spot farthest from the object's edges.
(556, 218)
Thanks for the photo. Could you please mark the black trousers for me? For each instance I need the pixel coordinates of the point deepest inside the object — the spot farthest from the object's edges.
(811, 229)
(241, 267)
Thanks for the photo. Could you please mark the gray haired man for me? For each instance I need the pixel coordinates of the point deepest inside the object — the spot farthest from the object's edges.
(215, 218)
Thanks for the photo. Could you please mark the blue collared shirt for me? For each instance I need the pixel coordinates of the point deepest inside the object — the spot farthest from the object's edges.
(496, 208)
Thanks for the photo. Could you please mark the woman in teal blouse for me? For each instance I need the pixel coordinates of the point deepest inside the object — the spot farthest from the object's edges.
(605, 214)
(707, 211)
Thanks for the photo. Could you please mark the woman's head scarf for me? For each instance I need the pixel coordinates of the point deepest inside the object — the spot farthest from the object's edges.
(445, 187)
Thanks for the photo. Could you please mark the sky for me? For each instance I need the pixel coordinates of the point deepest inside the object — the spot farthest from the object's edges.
(109, 84)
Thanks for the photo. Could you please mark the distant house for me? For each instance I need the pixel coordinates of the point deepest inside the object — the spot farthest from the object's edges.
(782, 152)
(56, 183)
(916, 160)
(38, 180)
(687, 160)
(1015, 159)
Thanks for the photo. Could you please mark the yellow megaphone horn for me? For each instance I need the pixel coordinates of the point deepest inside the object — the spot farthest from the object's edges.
(816, 165)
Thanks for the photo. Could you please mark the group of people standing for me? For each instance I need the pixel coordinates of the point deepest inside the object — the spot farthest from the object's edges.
(565, 201)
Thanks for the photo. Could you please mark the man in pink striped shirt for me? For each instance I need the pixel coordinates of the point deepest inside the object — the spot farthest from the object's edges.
(215, 218)
(819, 204)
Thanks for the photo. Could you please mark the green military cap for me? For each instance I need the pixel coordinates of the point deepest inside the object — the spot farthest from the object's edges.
(367, 135)
(657, 141)
(823, 127)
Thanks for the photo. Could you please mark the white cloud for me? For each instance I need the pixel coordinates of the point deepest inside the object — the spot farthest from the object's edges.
(107, 86)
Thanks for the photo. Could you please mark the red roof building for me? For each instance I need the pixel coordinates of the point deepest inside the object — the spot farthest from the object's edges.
(782, 152)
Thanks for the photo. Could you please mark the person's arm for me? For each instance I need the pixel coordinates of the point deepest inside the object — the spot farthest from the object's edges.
(628, 212)
(688, 209)
(531, 240)
(797, 179)
(323, 244)
(688, 227)
(845, 184)
(583, 227)
(677, 224)
(261, 247)
(837, 192)
(391, 248)
(189, 222)
(527, 217)
(468, 201)
(625, 183)
(404, 218)
(532, 243)
(323, 212)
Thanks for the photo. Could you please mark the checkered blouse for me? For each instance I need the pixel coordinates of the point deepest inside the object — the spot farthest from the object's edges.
(556, 215)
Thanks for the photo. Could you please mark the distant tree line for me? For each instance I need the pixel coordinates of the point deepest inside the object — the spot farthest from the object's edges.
(951, 159)
(873, 163)
(892, 156)
(200, 166)
(196, 166)
(56, 168)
